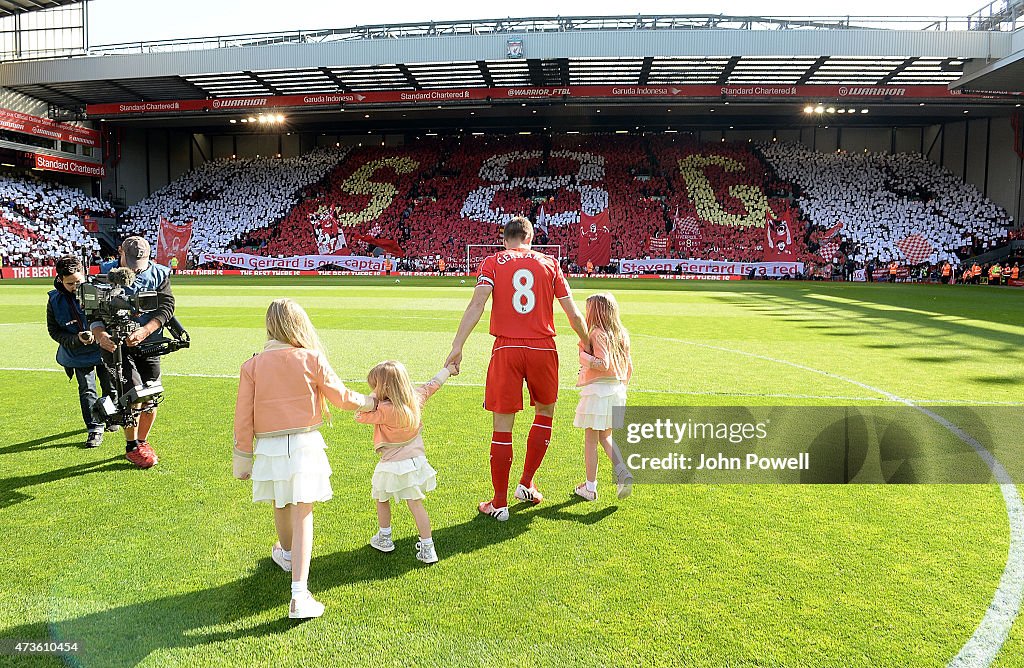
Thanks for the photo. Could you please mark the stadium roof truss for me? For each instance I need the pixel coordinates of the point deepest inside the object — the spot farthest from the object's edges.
(556, 52)
(12, 7)
(722, 70)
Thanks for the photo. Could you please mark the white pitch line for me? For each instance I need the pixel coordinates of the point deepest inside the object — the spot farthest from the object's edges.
(988, 638)
(569, 388)
(983, 646)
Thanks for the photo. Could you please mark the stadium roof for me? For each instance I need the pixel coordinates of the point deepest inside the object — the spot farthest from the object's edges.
(1005, 74)
(625, 71)
(12, 7)
(562, 52)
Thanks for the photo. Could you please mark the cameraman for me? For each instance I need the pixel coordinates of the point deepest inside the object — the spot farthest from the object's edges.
(77, 352)
(135, 369)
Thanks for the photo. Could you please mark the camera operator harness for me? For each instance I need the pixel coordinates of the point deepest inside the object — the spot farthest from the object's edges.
(105, 298)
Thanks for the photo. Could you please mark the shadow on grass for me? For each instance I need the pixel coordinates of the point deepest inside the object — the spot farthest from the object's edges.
(126, 635)
(1014, 380)
(46, 442)
(9, 494)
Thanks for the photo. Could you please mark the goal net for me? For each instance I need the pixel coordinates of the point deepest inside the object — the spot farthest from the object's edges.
(475, 253)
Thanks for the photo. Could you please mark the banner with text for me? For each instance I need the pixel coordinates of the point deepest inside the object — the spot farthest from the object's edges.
(37, 126)
(36, 272)
(69, 166)
(295, 263)
(436, 96)
(654, 265)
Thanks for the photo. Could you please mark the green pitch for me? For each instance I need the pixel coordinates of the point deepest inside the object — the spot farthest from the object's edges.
(171, 567)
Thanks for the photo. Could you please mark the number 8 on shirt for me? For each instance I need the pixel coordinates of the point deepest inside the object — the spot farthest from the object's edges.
(525, 284)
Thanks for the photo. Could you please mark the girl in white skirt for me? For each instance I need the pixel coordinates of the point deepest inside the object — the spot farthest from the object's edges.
(603, 377)
(403, 472)
(283, 397)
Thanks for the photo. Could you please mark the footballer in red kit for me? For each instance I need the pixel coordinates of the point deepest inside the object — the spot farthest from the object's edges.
(524, 285)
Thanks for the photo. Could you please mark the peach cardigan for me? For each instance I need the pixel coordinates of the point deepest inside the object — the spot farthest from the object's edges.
(595, 368)
(279, 393)
(392, 442)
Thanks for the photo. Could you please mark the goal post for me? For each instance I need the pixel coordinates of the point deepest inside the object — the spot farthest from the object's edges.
(475, 253)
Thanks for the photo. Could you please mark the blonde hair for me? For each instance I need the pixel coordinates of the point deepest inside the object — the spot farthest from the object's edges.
(390, 382)
(603, 314)
(288, 323)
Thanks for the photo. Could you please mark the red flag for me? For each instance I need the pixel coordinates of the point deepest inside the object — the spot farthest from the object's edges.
(828, 244)
(595, 240)
(657, 246)
(779, 240)
(387, 245)
(828, 251)
(173, 241)
(687, 228)
(915, 248)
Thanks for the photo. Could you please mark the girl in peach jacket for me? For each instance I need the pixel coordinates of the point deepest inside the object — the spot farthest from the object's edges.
(283, 397)
(602, 382)
(403, 472)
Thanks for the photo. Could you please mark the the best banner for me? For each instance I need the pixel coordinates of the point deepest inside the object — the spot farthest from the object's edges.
(295, 263)
(651, 266)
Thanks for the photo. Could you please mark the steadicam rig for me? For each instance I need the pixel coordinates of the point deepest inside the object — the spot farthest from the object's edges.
(107, 299)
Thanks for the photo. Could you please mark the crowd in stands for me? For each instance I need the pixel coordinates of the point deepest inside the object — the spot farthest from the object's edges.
(40, 221)
(729, 194)
(429, 199)
(227, 199)
(882, 199)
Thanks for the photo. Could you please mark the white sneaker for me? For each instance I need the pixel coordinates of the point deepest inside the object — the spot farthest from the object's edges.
(500, 514)
(625, 481)
(304, 606)
(584, 493)
(277, 554)
(528, 494)
(382, 542)
(426, 553)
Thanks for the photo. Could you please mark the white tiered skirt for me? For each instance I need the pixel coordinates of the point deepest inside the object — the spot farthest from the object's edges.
(596, 403)
(291, 469)
(403, 480)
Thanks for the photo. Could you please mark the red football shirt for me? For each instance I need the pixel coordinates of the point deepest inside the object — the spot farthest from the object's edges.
(526, 284)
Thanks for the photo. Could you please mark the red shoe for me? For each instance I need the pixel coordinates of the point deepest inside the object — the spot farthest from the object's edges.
(142, 456)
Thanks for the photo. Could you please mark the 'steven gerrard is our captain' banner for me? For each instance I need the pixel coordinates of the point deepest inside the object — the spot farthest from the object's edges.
(295, 263)
(752, 91)
(710, 267)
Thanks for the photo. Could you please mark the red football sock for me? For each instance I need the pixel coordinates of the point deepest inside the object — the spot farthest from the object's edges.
(501, 466)
(536, 447)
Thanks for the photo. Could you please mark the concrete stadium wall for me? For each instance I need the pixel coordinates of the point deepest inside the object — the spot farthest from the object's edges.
(978, 150)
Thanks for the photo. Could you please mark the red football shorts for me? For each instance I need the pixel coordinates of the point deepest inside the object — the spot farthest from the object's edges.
(514, 361)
